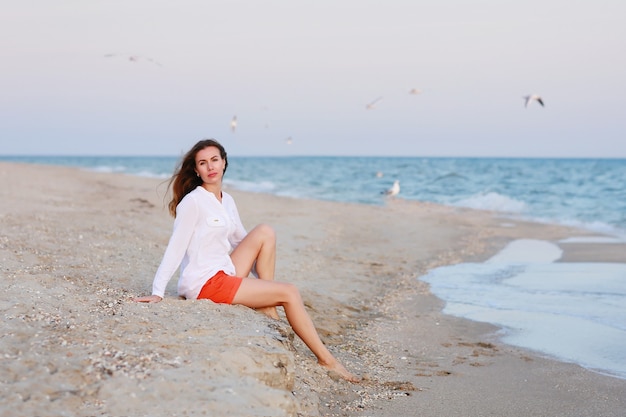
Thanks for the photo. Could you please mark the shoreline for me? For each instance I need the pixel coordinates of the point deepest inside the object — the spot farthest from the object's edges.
(77, 246)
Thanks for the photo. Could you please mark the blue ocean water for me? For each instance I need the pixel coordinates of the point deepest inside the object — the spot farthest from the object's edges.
(589, 193)
(533, 301)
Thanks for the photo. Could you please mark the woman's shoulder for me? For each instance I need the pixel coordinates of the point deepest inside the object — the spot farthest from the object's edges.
(190, 198)
(190, 195)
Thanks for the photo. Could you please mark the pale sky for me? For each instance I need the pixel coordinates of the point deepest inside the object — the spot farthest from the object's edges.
(306, 70)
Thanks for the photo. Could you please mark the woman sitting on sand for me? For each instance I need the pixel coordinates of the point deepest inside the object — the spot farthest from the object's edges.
(209, 240)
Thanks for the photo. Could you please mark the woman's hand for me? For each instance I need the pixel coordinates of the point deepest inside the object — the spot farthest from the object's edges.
(148, 299)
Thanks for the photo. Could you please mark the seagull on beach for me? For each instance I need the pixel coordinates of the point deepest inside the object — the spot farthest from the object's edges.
(370, 105)
(394, 190)
(532, 97)
(233, 124)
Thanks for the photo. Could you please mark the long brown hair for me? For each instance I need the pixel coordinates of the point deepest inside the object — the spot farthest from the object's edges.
(185, 179)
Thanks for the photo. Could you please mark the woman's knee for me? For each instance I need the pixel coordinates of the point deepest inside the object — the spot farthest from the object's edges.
(266, 231)
(291, 292)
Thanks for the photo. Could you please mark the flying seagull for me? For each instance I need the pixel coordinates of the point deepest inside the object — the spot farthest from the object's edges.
(415, 91)
(134, 58)
(394, 190)
(532, 97)
(370, 105)
(233, 124)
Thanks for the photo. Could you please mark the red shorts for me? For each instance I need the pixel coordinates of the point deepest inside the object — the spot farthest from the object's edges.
(221, 288)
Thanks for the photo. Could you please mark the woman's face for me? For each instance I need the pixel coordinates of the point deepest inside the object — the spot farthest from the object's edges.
(210, 165)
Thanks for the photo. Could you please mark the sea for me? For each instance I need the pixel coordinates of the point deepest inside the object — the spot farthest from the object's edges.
(572, 312)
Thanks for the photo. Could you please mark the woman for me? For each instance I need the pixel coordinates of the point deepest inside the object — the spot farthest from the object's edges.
(216, 255)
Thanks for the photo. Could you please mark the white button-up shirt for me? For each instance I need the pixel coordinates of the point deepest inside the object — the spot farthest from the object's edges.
(205, 233)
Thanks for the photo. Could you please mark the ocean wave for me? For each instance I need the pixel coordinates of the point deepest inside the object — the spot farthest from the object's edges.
(593, 226)
(253, 186)
(108, 169)
(494, 202)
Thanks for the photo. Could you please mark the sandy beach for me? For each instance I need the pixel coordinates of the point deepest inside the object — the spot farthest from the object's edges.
(77, 246)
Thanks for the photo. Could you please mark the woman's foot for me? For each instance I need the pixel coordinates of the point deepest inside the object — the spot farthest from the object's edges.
(339, 370)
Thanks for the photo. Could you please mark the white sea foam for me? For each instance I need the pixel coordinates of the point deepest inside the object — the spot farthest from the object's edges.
(592, 239)
(151, 174)
(108, 168)
(571, 311)
(492, 201)
(594, 226)
(527, 251)
(257, 187)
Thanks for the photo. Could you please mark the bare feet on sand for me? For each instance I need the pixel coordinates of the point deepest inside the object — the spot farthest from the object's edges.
(339, 370)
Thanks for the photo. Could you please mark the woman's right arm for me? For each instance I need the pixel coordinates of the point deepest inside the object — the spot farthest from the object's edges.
(184, 224)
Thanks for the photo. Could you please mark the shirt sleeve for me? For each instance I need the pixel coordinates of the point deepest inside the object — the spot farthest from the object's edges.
(240, 231)
(186, 216)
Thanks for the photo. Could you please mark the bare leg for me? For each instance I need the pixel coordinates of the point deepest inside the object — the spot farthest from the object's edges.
(259, 293)
(258, 246)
